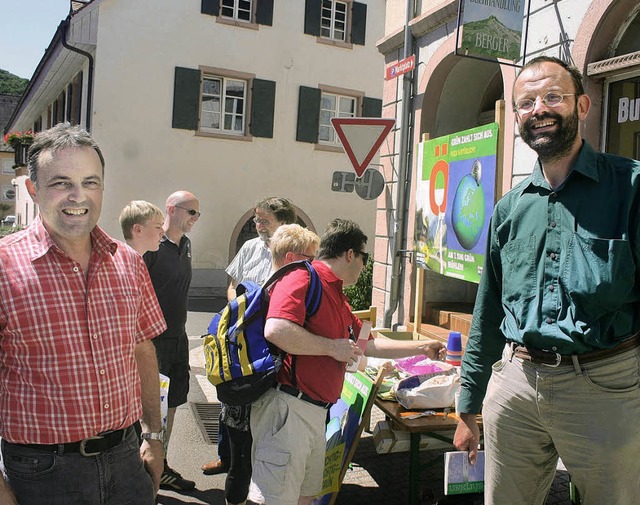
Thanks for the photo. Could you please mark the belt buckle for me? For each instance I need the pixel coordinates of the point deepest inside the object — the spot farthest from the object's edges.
(83, 444)
(557, 363)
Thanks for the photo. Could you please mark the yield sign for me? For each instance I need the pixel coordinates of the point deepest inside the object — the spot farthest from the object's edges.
(361, 138)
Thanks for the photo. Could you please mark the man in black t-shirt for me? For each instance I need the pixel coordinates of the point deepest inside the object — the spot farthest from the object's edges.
(170, 271)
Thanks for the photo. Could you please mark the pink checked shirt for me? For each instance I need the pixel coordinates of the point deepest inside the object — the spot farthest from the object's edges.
(67, 342)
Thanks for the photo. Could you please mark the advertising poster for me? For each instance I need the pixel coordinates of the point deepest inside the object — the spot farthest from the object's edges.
(343, 431)
(455, 195)
(492, 28)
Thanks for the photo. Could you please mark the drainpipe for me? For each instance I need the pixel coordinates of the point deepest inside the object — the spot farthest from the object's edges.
(89, 77)
(397, 264)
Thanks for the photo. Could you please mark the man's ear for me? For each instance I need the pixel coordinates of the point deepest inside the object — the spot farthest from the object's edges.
(349, 255)
(288, 257)
(584, 105)
(31, 189)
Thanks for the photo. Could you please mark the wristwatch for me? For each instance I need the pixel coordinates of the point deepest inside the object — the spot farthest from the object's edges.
(158, 435)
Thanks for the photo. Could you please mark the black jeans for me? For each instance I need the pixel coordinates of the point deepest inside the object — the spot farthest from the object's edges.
(239, 475)
(113, 477)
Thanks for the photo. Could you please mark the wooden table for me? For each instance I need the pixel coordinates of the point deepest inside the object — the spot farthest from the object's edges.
(431, 426)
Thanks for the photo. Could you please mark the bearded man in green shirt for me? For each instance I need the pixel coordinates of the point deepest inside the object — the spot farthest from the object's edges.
(559, 299)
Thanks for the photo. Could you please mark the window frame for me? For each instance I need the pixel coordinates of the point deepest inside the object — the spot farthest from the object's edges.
(346, 43)
(234, 21)
(236, 9)
(224, 75)
(357, 96)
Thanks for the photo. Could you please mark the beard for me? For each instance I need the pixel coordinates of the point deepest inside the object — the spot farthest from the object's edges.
(551, 145)
(265, 235)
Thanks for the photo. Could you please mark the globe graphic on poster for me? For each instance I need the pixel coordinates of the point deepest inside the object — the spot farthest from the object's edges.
(468, 210)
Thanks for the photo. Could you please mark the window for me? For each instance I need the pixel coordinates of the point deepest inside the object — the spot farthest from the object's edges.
(221, 102)
(333, 24)
(7, 166)
(316, 107)
(236, 9)
(332, 105)
(223, 105)
(243, 13)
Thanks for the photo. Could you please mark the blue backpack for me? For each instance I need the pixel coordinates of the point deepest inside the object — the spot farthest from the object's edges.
(239, 361)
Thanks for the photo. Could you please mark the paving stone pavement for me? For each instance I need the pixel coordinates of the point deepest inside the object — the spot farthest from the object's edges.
(382, 478)
(372, 479)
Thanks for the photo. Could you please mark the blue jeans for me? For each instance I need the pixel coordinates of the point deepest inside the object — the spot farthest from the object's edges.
(586, 413)
(113, 477)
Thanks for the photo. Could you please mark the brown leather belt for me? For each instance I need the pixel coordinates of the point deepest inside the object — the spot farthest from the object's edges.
(553, 359)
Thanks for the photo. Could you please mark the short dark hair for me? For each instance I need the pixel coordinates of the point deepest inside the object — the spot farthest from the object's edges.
(340, 236)
(61, 136)
(280, 207)
(576, 75)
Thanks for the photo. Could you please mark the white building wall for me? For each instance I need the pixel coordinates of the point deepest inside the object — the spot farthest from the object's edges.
(140, 44)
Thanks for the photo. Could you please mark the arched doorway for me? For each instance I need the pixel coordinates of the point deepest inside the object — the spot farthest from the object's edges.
(248, 231)
(607, 51)
(622, 99)
(245, 229)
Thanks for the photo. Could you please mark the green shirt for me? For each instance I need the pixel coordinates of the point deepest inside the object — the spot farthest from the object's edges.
(562, 269)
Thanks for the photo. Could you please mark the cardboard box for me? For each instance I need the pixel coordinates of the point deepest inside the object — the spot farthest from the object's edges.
(387, 440)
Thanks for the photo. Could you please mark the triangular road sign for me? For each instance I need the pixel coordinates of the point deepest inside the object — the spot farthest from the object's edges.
(361, 138)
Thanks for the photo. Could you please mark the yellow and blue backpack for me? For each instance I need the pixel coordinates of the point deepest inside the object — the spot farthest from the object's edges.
(239, 361)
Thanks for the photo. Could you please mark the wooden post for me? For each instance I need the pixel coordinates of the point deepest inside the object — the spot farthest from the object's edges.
(500, 119)
(417, 311)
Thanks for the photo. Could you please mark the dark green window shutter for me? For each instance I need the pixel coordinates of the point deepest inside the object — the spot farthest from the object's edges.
(371, 107)
(312, 11)
(263, 98)
(358, 23)
(210, 7)
(264, 12)
(308, 115)
(186, 98)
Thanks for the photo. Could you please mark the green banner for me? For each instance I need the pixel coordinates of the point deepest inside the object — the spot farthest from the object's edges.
(455, 194)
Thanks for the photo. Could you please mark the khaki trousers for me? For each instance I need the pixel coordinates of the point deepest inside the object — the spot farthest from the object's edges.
(586, 414)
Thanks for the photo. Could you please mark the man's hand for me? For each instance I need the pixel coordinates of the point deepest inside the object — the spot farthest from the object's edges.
(6, 495)
(467, 436)
(434, 349)
(152, 454)
(345, 350)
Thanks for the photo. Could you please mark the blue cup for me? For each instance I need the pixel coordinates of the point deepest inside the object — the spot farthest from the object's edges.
(454, 348)
(454, 344)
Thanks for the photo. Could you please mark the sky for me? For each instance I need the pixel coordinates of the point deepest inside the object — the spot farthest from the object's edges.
(25, 32)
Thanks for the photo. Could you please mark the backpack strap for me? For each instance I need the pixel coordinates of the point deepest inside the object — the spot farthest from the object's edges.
(314, 289)
(311, 302)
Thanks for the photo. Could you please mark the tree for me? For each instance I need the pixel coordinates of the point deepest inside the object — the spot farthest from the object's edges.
(11, 84)
(4, 207)
(360, 293)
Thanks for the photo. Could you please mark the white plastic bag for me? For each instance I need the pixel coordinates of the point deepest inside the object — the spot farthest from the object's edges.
(164, 405)
(429, 391)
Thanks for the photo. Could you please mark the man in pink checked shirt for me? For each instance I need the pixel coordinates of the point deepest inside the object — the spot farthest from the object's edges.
(77, 366)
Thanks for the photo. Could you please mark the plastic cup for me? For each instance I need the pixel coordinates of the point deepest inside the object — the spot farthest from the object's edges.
(454, 348)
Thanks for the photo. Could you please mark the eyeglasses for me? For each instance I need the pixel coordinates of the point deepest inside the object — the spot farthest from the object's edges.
(551, 99)
(191, 212)
(263, 222)
(310, 258)
(365, 256)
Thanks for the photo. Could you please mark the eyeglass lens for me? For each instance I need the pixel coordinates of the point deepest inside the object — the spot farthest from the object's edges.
(551, 99)
(191, 212)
